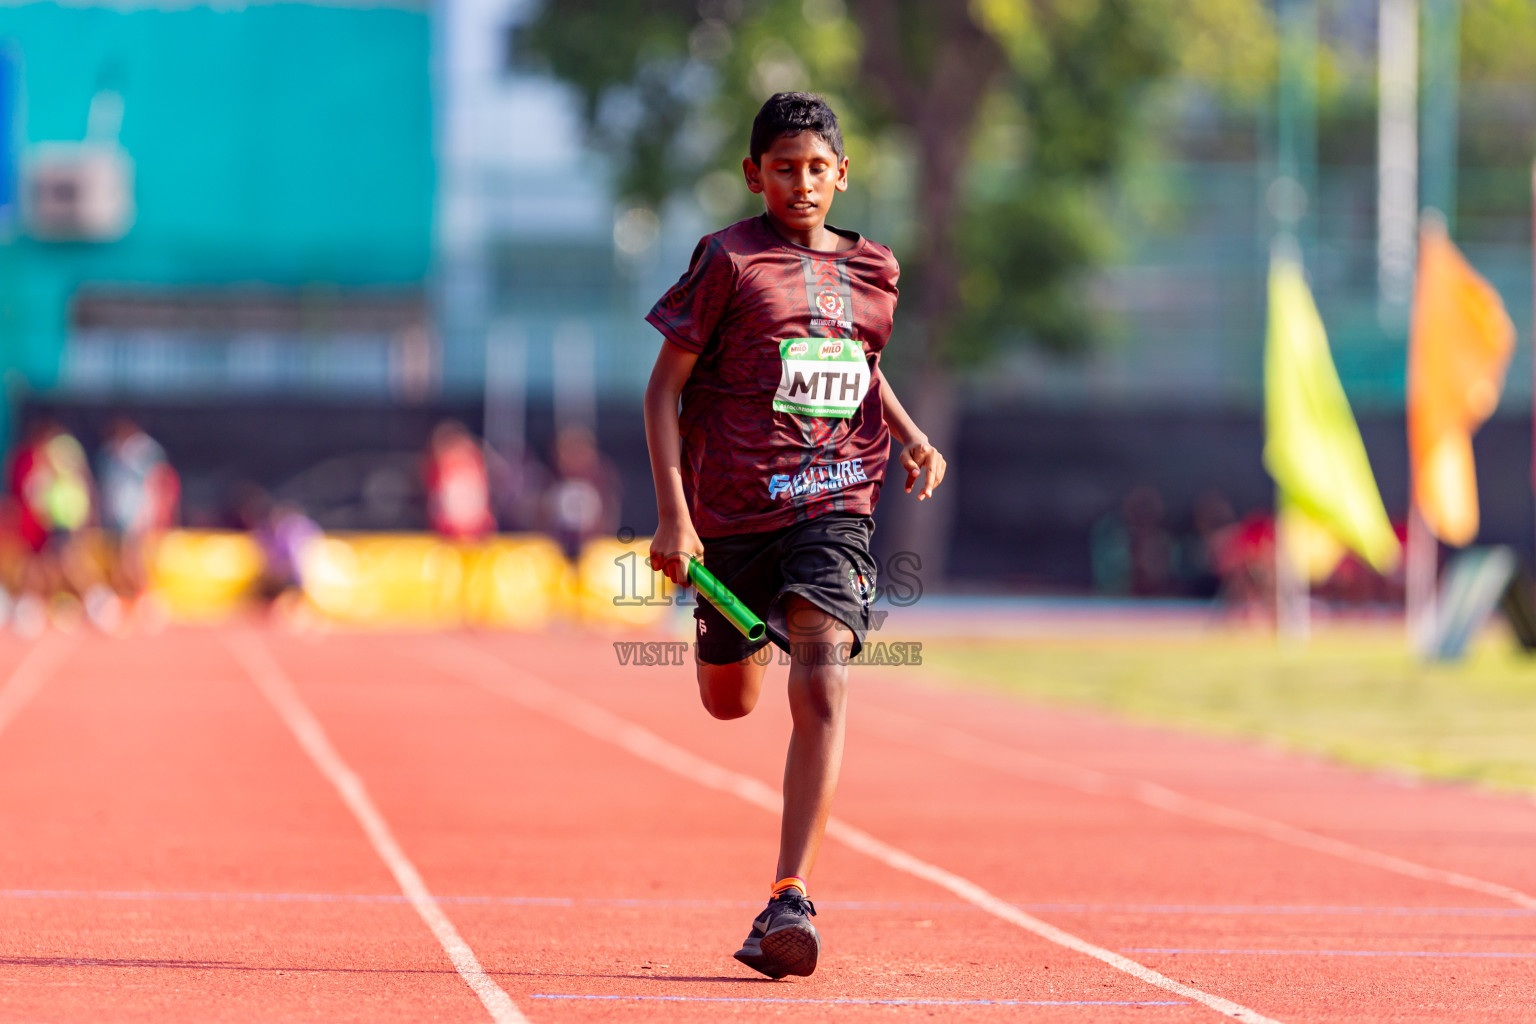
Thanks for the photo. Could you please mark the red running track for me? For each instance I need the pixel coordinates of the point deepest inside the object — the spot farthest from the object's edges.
(176, 847)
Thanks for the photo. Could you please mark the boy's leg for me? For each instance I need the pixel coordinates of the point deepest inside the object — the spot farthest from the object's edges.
(783, 940)
(731, 691)
(818, 700)
(730, 668)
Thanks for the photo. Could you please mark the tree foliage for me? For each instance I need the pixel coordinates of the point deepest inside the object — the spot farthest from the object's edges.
(1498, 38)
(982, 133)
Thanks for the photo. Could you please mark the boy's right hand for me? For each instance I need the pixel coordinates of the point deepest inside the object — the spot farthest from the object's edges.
(674, 544)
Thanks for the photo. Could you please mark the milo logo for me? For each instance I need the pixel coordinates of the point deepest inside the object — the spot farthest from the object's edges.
(830, 349)
(798, 348)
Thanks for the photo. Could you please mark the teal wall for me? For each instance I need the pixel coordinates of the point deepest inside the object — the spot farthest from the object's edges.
(286, 144)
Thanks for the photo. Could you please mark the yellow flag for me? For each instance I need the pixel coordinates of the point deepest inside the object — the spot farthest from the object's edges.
(1312, 447)
(1313, 551)
(1460, 348)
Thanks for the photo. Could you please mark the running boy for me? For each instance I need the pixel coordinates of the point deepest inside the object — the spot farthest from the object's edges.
(770, 471)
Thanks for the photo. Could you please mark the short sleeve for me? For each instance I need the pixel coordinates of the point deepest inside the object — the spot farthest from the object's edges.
(691, 309)
(875, 294)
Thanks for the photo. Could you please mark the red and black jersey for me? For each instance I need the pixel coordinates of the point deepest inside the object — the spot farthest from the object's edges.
(772, 436)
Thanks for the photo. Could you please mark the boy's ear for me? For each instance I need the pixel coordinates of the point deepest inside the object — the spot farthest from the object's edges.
(754, 175)
(841, 184)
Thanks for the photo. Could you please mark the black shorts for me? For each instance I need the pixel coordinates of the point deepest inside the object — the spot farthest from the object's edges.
(825, 560)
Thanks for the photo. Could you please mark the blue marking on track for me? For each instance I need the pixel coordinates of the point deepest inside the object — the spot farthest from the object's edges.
(870, 1002)
(1301, 909)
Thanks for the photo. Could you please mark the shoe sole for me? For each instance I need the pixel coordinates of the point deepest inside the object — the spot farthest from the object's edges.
(792, 951)
(762, 965)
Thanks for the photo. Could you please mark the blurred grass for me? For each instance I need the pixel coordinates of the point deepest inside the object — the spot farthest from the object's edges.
(1354, 694)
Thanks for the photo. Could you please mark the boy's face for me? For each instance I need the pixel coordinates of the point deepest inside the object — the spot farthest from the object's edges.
(797, 178)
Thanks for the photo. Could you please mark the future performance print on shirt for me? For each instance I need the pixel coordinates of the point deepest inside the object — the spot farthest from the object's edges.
(766, 443)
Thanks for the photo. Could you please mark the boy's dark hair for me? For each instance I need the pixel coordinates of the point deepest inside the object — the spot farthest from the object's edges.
(790, 113)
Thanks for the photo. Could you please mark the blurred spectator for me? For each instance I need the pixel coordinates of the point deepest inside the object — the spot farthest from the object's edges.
(1245, 558)
(1150, 543)
(1133, 551)
(458, 493)
(283, 533)
(1355, 583)
(52, 488)
(1109, 552)
(26, 486)
(139, 495)
(518, 484)
(584, 501)
(1198, 572)
(65, 486)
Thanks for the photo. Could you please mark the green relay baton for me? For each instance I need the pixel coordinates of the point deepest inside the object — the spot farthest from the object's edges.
(728, 603)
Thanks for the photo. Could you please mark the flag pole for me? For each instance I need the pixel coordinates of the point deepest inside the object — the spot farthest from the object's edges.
(1441, 42)
(1397, 238)
(1397, 164)
(1289, 196)
(1421, 571)
(1293, 592)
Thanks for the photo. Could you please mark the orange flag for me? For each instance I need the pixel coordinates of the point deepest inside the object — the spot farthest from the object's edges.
(1459, 349)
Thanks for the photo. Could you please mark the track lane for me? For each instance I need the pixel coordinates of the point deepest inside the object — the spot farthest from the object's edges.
(1041, 843)
(547, 805)
(175, 857)
(153, 765)
(1445, 825)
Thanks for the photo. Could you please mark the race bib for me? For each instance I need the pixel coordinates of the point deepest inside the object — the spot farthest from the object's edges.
(826, 377)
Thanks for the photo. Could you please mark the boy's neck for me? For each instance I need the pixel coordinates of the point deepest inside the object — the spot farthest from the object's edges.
(821, 238)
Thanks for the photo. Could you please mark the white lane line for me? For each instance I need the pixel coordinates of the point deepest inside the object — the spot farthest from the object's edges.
(275, 685)
(702, 903)
(496, 676)
(978, 750)
(27, 678)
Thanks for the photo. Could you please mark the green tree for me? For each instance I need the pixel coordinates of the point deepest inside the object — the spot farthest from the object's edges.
(1497, 40)
(982, 133)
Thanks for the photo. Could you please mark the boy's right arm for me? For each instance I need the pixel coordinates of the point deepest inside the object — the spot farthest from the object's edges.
(675, 537)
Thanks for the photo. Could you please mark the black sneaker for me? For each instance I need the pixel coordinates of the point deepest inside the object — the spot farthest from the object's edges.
(783, 940)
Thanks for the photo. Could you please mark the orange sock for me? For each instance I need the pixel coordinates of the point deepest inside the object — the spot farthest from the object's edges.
(785, 884)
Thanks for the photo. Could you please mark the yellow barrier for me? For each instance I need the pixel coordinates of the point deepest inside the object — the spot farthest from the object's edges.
(516, 582)
(203, 576)
(384, 580)
(519, 581)
(617, 587)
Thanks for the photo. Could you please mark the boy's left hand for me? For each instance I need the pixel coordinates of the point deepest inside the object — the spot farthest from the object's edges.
(918, 457)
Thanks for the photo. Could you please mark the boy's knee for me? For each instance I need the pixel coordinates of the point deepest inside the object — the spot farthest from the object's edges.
(822, 695)
(725, 706)
(726, 692)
